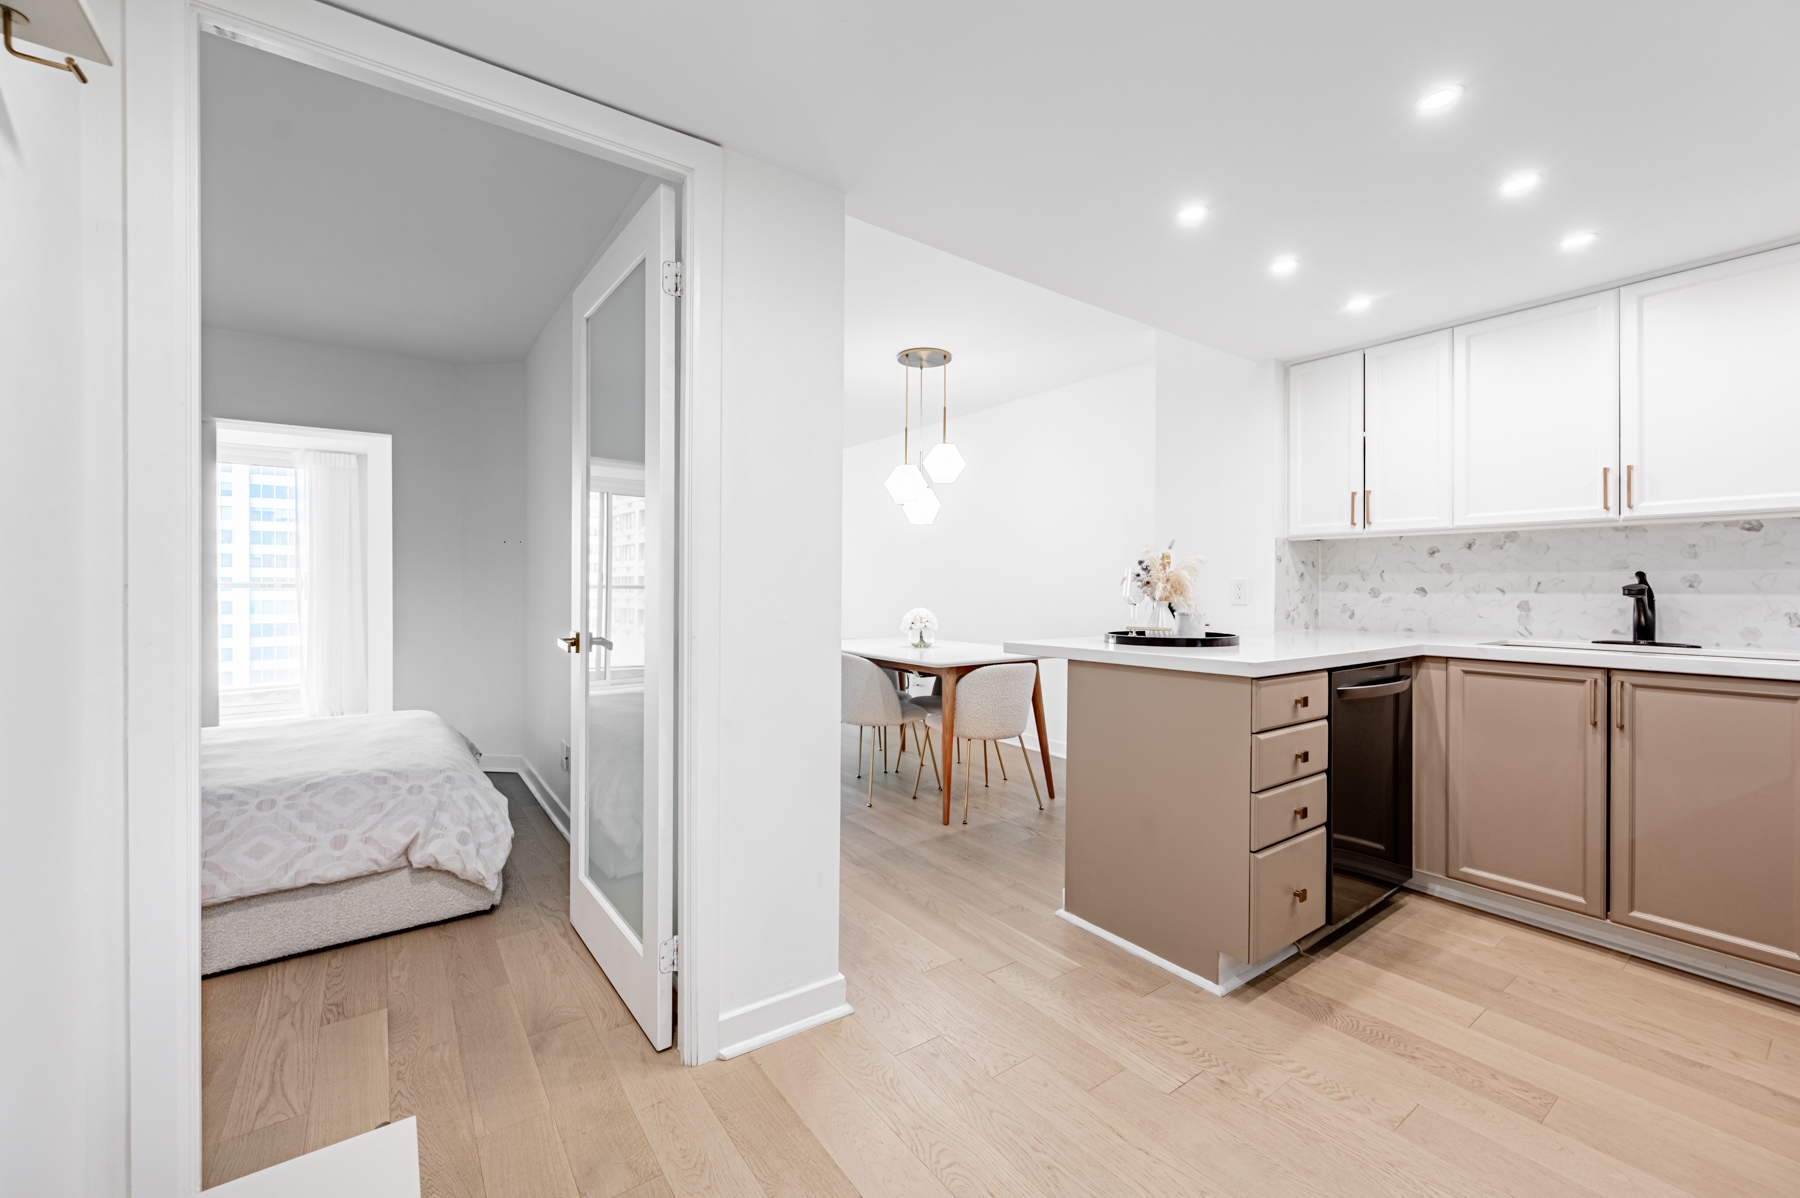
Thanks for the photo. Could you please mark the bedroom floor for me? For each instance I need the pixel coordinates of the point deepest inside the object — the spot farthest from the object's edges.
(998, 1050)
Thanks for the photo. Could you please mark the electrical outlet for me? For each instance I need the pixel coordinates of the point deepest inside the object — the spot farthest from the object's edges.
(565, 759)
(1240, 592)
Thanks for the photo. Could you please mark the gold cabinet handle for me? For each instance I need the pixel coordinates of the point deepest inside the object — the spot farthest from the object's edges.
(1300, 894)
(1299, 813)
(1593, 703)
(1353, 509)
(1303, 701)
(1630, 500)
(1606, 487)
(1303, 755)
(1366, 495)
(1619, 711)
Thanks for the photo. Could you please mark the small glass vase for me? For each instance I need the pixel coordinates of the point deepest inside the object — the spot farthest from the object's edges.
(921, 639)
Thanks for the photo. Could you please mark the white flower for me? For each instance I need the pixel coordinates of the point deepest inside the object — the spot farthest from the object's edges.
(916, 619)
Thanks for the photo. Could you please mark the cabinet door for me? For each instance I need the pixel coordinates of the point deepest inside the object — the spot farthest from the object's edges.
(1706, 812)
(1710, 388)
(1527, 782)
(1536, 415)
(1325, 433)
(1406, 425)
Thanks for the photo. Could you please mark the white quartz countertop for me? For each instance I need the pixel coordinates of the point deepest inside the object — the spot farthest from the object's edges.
(1264, 655)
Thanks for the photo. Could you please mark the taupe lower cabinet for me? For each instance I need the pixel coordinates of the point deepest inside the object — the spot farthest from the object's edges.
(1706, 812)
(1526, 782)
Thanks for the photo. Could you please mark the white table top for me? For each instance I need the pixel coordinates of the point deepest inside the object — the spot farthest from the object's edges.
(943, 654)
(1264, 655)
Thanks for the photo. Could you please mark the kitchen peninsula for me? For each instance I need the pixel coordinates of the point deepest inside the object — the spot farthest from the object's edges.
(1646, 800)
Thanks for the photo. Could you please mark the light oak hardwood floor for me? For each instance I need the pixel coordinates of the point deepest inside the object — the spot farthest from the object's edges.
(998, 1050)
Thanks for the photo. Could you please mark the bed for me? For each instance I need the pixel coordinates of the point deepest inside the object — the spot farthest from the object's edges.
(321, 831)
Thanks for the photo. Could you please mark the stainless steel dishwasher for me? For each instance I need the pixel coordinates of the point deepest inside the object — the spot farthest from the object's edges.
(1370, 810)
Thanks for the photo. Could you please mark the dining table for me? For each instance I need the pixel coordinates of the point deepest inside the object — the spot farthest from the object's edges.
(948, 661)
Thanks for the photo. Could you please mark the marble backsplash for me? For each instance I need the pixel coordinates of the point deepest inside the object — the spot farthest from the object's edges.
(1724, 584)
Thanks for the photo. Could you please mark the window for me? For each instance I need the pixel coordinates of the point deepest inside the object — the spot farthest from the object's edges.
(616, 600)
(272, 690)
(224, 561)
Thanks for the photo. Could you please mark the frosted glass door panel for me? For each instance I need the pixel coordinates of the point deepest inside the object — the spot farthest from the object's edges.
(1536, 415)
(1325, 431)
(1407, 444)
(1710, 388)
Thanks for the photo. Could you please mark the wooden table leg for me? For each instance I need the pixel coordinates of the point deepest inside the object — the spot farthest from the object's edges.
(1037, 707)
(949, 689)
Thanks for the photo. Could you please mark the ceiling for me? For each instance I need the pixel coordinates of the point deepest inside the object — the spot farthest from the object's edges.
(1008, 338)
(336, 212)
(1054, 142)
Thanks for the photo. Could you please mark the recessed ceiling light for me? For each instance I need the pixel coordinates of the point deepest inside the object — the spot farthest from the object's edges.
(1577, 241)
(1191, 215)
(1284, 266)
(1519, 184)
(1439, 98)
(1359, 303)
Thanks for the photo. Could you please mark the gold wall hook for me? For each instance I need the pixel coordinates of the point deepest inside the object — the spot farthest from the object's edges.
(6, 24)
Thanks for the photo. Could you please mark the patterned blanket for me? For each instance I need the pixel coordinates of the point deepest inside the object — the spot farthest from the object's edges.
(302, 802)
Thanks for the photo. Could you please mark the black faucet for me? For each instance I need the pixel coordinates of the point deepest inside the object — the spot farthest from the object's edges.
(1643, 614)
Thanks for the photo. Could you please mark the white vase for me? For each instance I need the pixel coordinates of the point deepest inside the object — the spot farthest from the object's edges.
(1190, 623)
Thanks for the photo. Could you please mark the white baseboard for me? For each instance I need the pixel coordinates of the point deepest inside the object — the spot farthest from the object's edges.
(1058, 749)
(1230, 977)
(513, 763)
(1690, 958)
(759, 1023)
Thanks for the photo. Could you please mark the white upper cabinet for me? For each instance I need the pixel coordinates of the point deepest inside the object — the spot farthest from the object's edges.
(1325, 432)
(1407, 435)
(1536, 416)
(1710, 396)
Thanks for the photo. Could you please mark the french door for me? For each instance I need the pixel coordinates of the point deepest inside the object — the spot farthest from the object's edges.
(622, 746)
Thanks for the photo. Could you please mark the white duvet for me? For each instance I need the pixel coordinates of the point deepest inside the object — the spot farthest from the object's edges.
(302, 802)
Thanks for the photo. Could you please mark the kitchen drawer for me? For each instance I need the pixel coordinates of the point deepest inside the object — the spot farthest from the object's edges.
(1287, 892)
(1278, 702)
(1288, 753)
(1287, 811)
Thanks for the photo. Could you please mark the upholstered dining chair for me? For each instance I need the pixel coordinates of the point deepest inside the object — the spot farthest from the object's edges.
(992, 704)
(869, 701)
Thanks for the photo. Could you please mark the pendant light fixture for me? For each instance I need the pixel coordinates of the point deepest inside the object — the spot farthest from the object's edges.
(906, 483)
(945, 462)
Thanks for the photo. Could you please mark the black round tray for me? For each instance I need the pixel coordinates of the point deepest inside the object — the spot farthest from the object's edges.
(1211, 640)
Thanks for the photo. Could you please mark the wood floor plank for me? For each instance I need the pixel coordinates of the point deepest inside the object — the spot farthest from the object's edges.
(473, 959)
(1502, 1169)
(782, 1154)
(867, 1151)
(228, 1006)
(419, 995)
(1008, 1019)
(504, 1087)
(427, 1082)
(235, 1156)
(646, 1075)
(602, 1138)
(274, 1080)
(525, 1160)
(350, 1080)
(355, 980)
(696, 1155)
(542, 977)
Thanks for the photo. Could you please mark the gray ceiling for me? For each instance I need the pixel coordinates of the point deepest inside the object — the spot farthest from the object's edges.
(336, 212)
(1054, 141)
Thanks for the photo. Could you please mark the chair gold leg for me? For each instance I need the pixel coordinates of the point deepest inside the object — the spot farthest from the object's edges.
(1032, 772)
(871, 774)
(859, 736)
(968, 763)
(1001, 758)
(984, 763)
(921, 770)
(925, 731)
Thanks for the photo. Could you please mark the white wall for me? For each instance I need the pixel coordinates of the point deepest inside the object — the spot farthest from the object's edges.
(549, 384)
(1033, 538)
(780, 447)
(1219, 474)
(459, 505)
(62, 988)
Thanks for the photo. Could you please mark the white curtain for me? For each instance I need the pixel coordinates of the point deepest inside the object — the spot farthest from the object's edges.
(333, 596)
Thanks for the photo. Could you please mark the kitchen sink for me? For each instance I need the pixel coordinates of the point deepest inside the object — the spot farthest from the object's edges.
(1658, 650)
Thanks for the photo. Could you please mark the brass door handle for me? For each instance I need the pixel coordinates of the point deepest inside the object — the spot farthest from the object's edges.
(1306, 755)
(1367, 495)
(1300, 813)
(1300, 894)
(570, 643)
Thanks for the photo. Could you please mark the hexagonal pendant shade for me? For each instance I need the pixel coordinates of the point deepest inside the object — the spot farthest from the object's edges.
(905, 483)
(944, 463)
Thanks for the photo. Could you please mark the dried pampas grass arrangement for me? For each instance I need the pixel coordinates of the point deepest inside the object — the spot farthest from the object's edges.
(1159, 578)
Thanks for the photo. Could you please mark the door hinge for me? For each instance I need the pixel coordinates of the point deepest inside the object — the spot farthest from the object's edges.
(672, 278)
(668, 955)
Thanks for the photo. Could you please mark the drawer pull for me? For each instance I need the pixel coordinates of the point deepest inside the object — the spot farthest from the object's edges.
(1299, 813)
(1300, 895)
(1303, 755)
(1303, 701)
